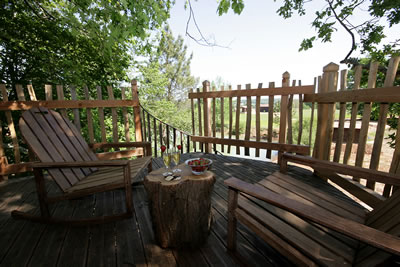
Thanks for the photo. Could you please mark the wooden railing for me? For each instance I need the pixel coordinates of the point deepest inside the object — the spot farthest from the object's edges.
(205, 131)
(160, 133)
(207, 119)
(121, 127)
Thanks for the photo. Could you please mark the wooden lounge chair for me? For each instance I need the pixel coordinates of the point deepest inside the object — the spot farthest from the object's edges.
(74, 166)
(311, 227)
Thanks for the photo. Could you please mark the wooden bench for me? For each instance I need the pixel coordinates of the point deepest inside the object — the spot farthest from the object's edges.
(312, 228)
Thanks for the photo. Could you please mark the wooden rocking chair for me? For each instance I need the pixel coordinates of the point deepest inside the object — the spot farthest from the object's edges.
(74, 166)
(312, 228)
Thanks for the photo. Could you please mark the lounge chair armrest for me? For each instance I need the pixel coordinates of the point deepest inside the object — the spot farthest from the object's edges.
(320, 216)
(81, 164)
(372, 175)
(122, 144)
(145, 145)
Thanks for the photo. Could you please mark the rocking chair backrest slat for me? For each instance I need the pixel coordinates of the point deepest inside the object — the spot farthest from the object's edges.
(66, 130)
(52, 139)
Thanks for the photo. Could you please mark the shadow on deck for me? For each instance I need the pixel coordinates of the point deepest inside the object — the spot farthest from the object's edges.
(131, 242)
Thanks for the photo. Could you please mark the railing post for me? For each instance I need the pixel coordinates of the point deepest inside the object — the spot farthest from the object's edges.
(136, 112)
(326, 113)
(207, 111)
(283, 115)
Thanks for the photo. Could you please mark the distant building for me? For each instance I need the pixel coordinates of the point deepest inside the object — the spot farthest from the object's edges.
(263, 108)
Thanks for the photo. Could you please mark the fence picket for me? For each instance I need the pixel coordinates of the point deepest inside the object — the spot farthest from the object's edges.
(230, 119)
(342, 117)
(289, 116)
(258, 120)
(270, 118)
(299, 136)
(383, 110)
(60, 96)
(222, 120)
(362, 141)
(237, 124)
(89, 116)
(200, 119)
(248, 121)
(126, 116)
(354, 111)
(77, 120)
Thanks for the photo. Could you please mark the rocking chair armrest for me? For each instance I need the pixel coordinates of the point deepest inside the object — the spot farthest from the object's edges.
(81, 164)
(122, 144)
(320, 216)
(369, 174)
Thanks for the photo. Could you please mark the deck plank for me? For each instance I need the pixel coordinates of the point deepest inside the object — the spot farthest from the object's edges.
(131, 242)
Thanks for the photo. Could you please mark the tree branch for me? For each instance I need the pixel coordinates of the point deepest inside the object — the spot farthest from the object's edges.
(353, 41)
(201, 41)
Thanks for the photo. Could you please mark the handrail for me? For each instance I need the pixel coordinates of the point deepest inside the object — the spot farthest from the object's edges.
(152, 132)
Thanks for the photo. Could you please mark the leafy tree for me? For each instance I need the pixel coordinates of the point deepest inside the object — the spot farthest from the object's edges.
(367, 35)
(173, 62)
(165, 79)
(77, 41)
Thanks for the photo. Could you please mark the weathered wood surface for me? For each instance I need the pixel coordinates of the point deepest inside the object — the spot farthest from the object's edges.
(180, 209)
(131, 241)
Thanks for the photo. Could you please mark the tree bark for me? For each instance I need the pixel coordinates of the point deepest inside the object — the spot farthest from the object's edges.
(181, 210)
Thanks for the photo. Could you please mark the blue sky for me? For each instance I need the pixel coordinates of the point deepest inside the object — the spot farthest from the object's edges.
(262, 45)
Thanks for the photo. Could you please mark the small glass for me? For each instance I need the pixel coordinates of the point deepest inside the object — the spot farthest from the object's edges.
(167, 158)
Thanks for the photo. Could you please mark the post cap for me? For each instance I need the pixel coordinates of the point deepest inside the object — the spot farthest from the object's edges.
(331, 67)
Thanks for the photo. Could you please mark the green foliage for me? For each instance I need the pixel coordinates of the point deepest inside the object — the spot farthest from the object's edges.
(165, 80)
(172, 61)
(74, 42)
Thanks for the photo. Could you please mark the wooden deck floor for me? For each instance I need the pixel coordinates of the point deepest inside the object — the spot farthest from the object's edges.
(131, 242)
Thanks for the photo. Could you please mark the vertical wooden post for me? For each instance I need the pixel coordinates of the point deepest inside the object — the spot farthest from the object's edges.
(237, 123)
(373, 71)
(77, 120)
(155, 136)
(270, 118)
(101, 116)
(136, 112)
(248, 120)
(283, 115)
(342, 115)
(214, 119)
(289, 116)
(60, 96)
(143, 122)
(300, 117)
(326, 112)
(312, 116)
(207, 111)
(193, 121)
(149, 127)
(354, 110)
(89, 116)
(222, 120)
(114, 116)
(230, 119)
(258, 120)
(232, 221)
(200, 119)
(126, 117)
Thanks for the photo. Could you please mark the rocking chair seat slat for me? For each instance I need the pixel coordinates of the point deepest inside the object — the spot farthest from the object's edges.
(110, 176)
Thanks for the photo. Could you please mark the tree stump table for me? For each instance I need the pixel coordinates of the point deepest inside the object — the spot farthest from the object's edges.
(180, 209)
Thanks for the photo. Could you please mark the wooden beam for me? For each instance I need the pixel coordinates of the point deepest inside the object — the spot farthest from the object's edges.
(286, 90)
(300, 149)
(25, 105)
(386, 95)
